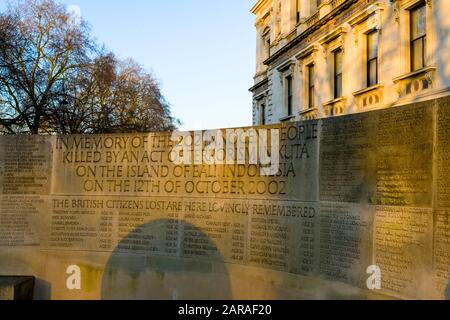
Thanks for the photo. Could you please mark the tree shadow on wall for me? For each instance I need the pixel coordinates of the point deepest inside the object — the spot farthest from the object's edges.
(42, 290)
(180, 261)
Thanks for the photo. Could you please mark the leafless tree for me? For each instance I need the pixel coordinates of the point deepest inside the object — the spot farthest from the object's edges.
(39, 47)
(138, 104)
(55, 79)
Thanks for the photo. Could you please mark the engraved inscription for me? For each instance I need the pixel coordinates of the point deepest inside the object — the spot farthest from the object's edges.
(404, 156)
(347, 159)
(26, 165)
(403, 248)
(443, 156)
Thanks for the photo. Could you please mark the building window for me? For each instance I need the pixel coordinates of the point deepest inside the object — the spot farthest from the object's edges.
(314, 5)
(311, 90)
(298, 10)
(337, 73)
(418, 36)
(263, 114)
(289, 94)
(266, 42)
(372, 58)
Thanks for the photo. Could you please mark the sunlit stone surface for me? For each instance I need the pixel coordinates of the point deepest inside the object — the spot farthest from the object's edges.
(351, 192)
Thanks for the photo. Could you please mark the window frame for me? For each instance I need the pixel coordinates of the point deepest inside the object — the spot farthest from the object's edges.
(289, 94)
(369, 60)
(422, 38)
(311, 85)
(266, 42)
(337, 75)
(263, 113)
(315, 4)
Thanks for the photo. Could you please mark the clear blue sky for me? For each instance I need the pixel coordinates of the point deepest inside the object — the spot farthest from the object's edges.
(202, 51)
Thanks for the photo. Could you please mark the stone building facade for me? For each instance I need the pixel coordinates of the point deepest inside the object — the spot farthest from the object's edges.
(323, 58)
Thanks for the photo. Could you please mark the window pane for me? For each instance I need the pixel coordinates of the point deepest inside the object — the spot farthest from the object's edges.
(417, 54)
(289, 84)
(424, 44)
(289, 94)
(263, 114)
(311, 85)
(338, 61)
(313, 6)
(372, 73)
(338, 86)
(372, 45)
(311, 75)
(418, 22)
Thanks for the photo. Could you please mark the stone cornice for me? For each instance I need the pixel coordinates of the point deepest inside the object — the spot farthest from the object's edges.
(285, 66)
(333, 35)
(306, 52)
(363, 15)
(310, 31)
(258, 5)
(259, 84)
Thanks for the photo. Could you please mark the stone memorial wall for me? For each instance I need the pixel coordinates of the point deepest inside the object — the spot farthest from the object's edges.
(291, 211)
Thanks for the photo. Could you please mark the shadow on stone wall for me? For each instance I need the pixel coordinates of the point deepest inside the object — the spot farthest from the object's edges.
(42, 289)
(160, 274)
